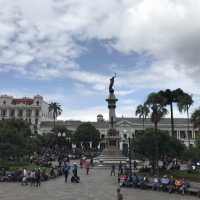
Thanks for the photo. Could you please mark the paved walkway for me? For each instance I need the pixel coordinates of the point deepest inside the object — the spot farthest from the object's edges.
(97, 186)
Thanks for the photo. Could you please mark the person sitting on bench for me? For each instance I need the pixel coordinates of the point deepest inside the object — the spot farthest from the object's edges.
(164, 183)
(156, 183)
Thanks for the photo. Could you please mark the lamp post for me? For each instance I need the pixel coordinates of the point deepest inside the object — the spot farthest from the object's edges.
(130, 161)
(69, 143)
(63, 136)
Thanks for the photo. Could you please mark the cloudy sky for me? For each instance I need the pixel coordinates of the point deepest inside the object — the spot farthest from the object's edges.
(66, 51)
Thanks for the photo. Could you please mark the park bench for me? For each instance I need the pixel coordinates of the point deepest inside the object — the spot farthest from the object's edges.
(193, 190)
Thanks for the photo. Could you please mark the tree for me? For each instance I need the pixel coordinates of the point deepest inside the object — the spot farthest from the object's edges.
(167, 146)
(142, 111)
(55, 108)
(156, 102)
(195, 118)
(170, 97)
(184, 103)
(85, 134)
(14, 138)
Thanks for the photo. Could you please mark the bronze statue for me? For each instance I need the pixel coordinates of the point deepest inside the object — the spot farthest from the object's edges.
(112, 80)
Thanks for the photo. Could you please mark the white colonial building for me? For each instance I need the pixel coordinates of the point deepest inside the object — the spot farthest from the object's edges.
(131, 127)
(34, 110)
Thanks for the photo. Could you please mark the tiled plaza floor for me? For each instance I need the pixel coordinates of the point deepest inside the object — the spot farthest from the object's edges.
(97, 186)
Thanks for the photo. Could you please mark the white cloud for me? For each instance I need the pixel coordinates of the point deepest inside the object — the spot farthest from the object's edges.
(41, 39)
(46, 32)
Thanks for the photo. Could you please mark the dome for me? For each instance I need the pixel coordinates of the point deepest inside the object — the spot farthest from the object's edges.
(100, 118)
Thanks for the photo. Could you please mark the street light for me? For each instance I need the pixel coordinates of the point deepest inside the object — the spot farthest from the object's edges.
(69, 143)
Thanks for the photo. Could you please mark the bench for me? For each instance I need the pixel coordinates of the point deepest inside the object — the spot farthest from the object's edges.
(193, 190)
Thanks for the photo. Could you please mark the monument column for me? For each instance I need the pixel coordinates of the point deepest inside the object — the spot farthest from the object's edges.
(111, 106)
(112, 153)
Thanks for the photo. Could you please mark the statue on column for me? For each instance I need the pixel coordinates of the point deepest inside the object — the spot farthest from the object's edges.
(112, 80)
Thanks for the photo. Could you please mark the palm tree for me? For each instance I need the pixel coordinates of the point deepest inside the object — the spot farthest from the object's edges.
(157, 104)
(158, 112)
(195, 118)
(55, 108)
(143, 112)
(184, 103)
(170, 97)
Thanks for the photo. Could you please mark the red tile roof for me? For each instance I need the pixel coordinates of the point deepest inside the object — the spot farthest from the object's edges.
(25, 101)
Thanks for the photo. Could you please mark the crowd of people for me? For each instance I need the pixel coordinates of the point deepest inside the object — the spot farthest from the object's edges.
(165, 183)
(168, 184)
(33, 177)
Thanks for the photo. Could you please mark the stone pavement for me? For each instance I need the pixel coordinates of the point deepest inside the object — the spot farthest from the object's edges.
(97, 186)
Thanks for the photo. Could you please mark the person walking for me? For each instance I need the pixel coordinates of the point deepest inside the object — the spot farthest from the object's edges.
(87, 166)
(120, 168)
(32, 177)
(119, 194)
(66, 171)
(112, 172)
(38, 178)
(25, 177)
(81, 163)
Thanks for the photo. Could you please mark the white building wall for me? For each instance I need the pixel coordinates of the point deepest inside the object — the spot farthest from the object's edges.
(38, 110)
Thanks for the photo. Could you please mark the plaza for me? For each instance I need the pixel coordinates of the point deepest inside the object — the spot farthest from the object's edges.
(99, 185)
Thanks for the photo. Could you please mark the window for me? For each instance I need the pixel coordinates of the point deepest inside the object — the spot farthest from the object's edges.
(20, 113)
(4, 102)
(3, 113)
(28, 113)
(189, 134)
(125, 136)
(12, 113)
(182, 135)
(37, 113)
(37, 103)
(36, 121)
(102, 136)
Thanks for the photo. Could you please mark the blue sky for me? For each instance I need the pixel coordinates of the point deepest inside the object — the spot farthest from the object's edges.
(67, 50)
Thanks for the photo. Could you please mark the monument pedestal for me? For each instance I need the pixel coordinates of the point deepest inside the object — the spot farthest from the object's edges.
(111, 154)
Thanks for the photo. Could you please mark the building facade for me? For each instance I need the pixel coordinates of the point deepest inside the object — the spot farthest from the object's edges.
(131, 127)
(33, 110)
